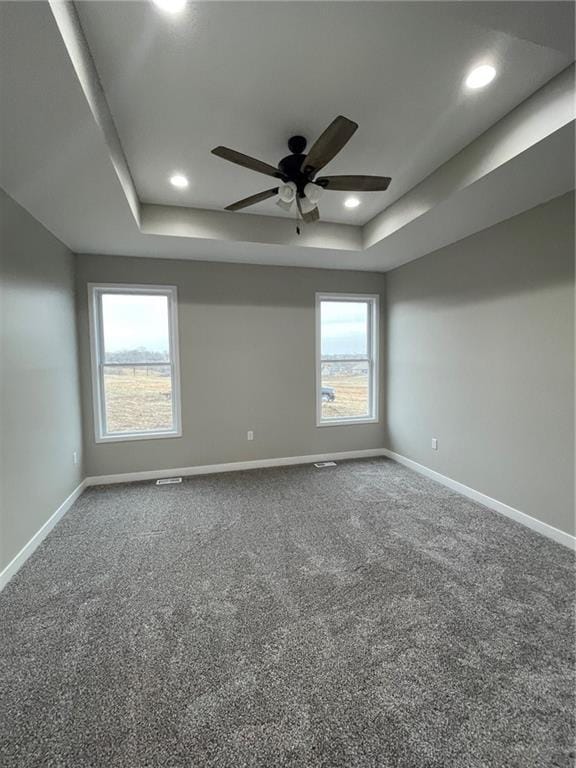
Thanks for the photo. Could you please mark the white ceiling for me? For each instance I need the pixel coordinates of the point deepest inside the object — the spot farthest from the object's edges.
(250, 74)
(173, 99)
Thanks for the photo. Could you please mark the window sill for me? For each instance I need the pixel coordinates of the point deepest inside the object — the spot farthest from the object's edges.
(346, 422)
(129, 437)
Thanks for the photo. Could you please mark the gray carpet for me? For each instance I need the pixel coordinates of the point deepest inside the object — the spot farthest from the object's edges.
(355, 616)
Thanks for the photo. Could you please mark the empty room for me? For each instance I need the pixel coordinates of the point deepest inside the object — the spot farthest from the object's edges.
(287, 384)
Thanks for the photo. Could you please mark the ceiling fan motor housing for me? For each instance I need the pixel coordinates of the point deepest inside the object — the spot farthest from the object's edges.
(290, 166)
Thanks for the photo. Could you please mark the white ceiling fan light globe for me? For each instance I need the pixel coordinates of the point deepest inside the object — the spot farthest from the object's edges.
(287, 192)
(284, 205)
(306, 206)
(313, 192)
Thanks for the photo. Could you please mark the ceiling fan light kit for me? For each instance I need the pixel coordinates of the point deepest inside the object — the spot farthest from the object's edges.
(283, 204)
(313, 192)
(306, 206)
(297, 171)
(287, 192)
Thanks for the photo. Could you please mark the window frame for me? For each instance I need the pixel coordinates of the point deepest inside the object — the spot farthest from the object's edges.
(372, 358)
(95, 292)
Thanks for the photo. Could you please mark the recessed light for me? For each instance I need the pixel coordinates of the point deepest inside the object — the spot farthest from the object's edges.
(480, 76)
(170, 6)
(179, 181)
(351, 202)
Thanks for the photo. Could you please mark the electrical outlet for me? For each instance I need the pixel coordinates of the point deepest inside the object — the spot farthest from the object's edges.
(75, 457)
(434, 444)
(250, 435)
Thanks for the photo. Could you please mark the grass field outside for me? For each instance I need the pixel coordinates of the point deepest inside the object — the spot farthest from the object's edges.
(138, 399)
(351, 396)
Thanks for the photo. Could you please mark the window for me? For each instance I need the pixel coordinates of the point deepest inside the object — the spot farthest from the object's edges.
(135, 374)
(346, 359)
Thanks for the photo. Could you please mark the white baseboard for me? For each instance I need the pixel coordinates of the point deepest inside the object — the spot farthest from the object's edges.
(530, 522)
(233, 466)
(17, 562)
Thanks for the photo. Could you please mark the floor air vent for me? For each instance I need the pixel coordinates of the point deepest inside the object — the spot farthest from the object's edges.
(169, 481)
(322, 464)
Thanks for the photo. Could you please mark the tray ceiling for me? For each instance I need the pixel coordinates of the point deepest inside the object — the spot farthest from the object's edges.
(250, 74)
(107, 99)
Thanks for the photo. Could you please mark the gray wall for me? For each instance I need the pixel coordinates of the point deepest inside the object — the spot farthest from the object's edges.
(247, 362)
(40, 423)
(480, 346)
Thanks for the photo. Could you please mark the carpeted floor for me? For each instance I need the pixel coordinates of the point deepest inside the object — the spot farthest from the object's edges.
(354, 616)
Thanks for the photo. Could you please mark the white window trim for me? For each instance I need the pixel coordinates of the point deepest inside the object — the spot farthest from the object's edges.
(95, 291)
(373, 359)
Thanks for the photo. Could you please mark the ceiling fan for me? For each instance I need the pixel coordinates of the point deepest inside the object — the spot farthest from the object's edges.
(297, 171)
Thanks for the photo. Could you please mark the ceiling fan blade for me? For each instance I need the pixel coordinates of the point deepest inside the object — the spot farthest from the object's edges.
(309, 216)
(252, 200)
(246, 161)
(327, 146)
(355, 183)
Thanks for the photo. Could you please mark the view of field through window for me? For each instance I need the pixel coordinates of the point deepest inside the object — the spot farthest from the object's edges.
(350, 393)
(138, 399)
(137, 382)
(345, 366)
